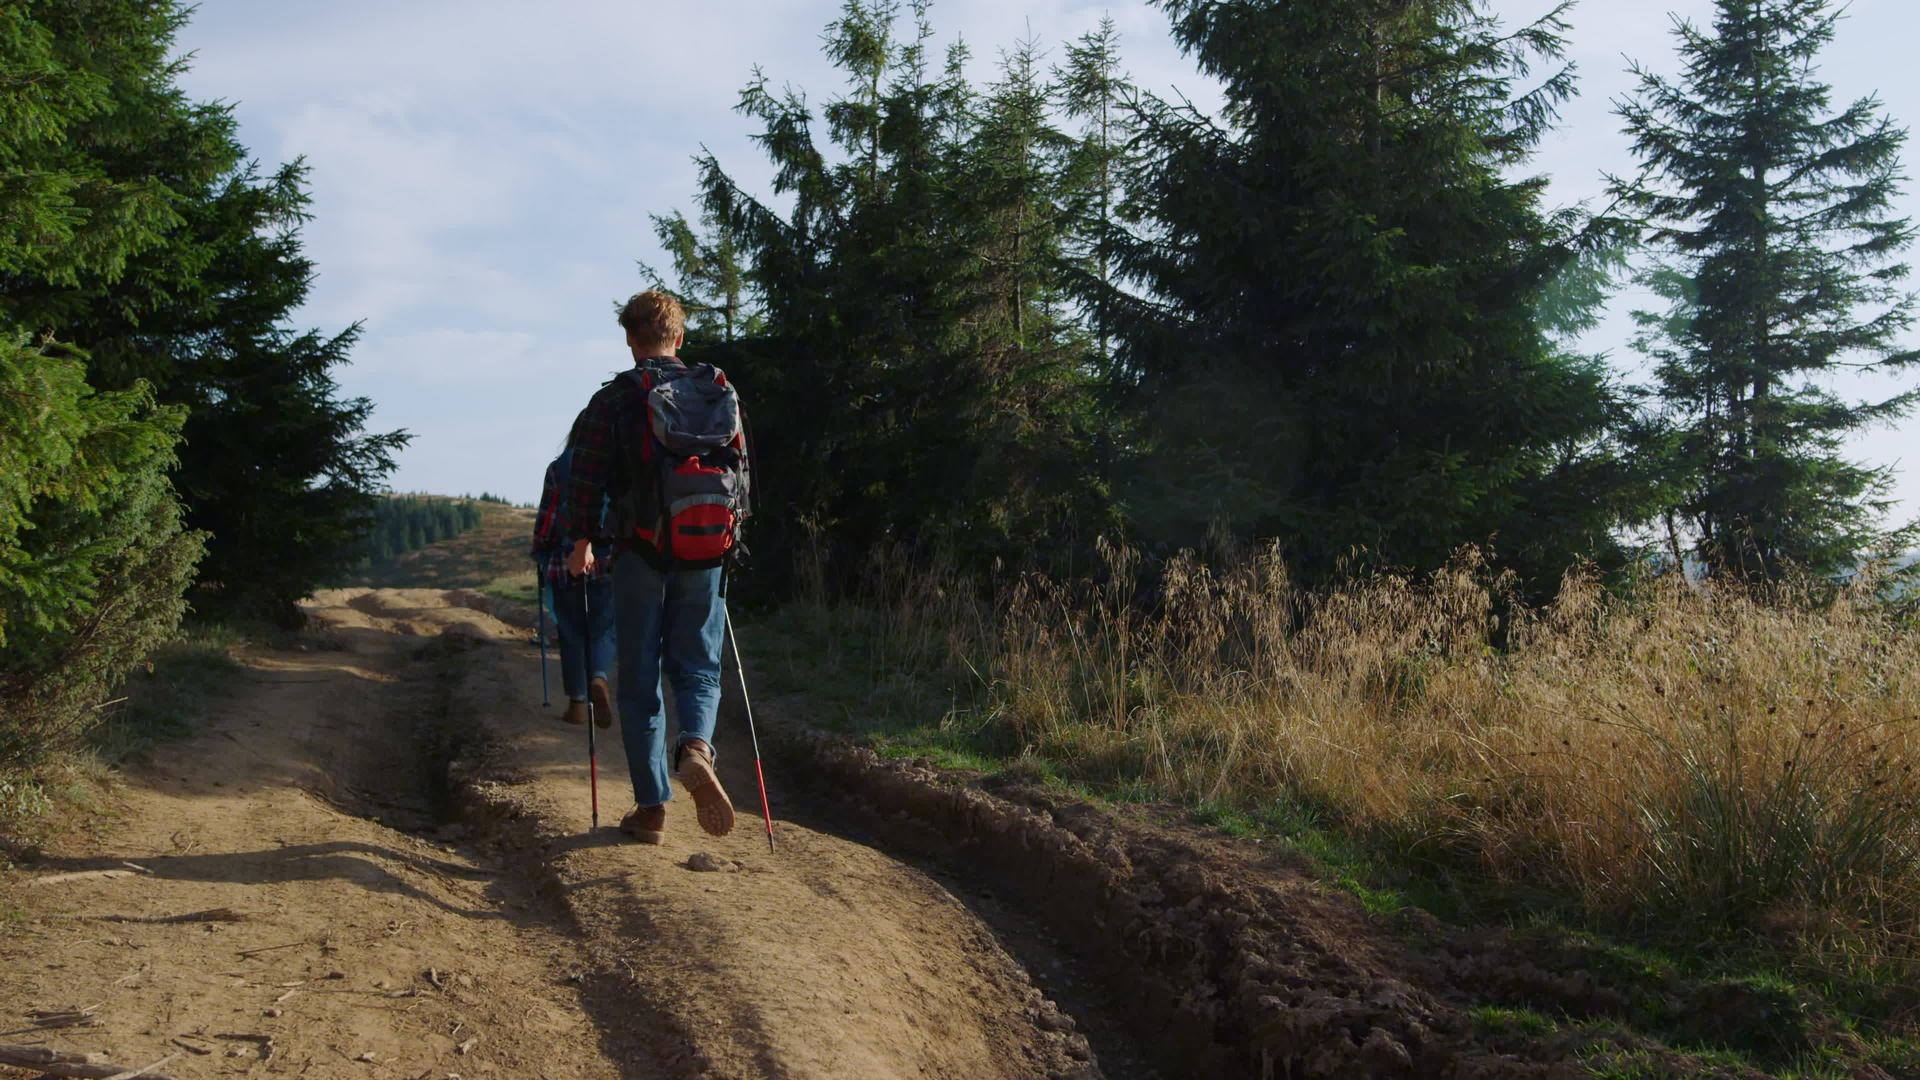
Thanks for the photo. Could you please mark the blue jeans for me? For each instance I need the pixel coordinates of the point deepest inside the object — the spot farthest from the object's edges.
(672, 624)
(584, 617)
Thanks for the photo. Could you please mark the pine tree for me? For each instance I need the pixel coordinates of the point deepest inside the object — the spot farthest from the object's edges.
(94, 561)
(713, 284)
(63, 211)
(1092, 89)
(1022, 183)
(913, 383)
(1333, 335)
(1013, 161)
(1774, 216)
(275, 466)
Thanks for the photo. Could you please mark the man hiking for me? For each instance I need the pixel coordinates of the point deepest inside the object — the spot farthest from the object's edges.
(664, 445)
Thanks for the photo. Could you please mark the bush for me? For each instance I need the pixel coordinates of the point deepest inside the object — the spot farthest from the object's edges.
(94, 559)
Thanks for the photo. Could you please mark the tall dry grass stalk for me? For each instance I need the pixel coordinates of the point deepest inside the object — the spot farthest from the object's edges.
(1668, 749)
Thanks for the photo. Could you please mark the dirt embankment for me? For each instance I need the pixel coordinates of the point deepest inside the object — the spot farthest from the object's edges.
(376, 860)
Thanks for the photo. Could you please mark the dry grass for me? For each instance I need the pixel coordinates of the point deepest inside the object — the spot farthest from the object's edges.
(1739, 757)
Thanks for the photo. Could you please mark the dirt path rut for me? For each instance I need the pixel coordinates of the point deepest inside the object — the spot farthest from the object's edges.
(824, 958)
(347, 946)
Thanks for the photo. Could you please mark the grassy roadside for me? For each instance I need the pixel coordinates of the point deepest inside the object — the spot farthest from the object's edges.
(1790, 994)
(180, 680)
(156, 703)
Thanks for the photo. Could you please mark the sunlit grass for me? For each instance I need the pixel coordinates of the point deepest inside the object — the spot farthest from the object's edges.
(520, 588)
(1667, 753)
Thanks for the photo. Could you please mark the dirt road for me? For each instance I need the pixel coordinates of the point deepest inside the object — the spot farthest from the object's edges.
(375, 860)
(339, 920)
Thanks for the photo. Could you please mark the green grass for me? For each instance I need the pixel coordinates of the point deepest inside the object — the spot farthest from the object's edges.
(163, 701)
(1491, 1020)
(22, 797)
(521, 588)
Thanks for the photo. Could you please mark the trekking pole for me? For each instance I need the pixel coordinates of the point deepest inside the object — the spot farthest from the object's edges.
(766, 812)
(593, 754)
(540, 598)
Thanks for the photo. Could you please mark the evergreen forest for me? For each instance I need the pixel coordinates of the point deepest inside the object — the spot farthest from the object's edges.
(1151, 412)
(169, 440)
(1248, 459)
(1244, 461)
(1001, 320)
(403, 523)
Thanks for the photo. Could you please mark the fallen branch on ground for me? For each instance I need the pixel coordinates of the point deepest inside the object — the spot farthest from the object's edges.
(271, 948)
(146, 1072)
(219, 914)
(85, 1066)
(48, 1019)
(81, 875)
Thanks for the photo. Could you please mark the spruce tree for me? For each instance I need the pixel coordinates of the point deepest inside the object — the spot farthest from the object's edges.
(1333, 334)
(63, 212)
(916, 382)
(713, 283)
(94, 562)
(275, 465)
(1013, 166)
(1773, 214)
(1092, 89)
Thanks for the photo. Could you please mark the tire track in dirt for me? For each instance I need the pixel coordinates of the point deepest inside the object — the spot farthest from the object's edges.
(359, 950)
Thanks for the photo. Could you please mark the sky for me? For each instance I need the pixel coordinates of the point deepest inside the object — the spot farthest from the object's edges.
(482, 173)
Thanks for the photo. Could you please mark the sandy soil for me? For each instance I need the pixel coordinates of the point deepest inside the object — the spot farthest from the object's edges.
(332, 925)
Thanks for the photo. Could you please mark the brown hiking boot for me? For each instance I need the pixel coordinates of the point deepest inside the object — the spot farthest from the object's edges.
(576, 712)
(710, 802)
(602, 702)
(646, 824)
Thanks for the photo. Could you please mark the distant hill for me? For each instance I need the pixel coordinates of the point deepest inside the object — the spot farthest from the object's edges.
(478, 557)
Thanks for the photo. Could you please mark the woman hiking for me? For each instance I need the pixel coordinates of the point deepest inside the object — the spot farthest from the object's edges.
(581, 604)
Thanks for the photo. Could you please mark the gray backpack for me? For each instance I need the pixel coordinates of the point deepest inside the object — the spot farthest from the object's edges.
(687, 494)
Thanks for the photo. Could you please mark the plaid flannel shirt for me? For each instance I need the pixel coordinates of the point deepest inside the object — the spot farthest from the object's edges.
(597, 446)
(552, 539)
